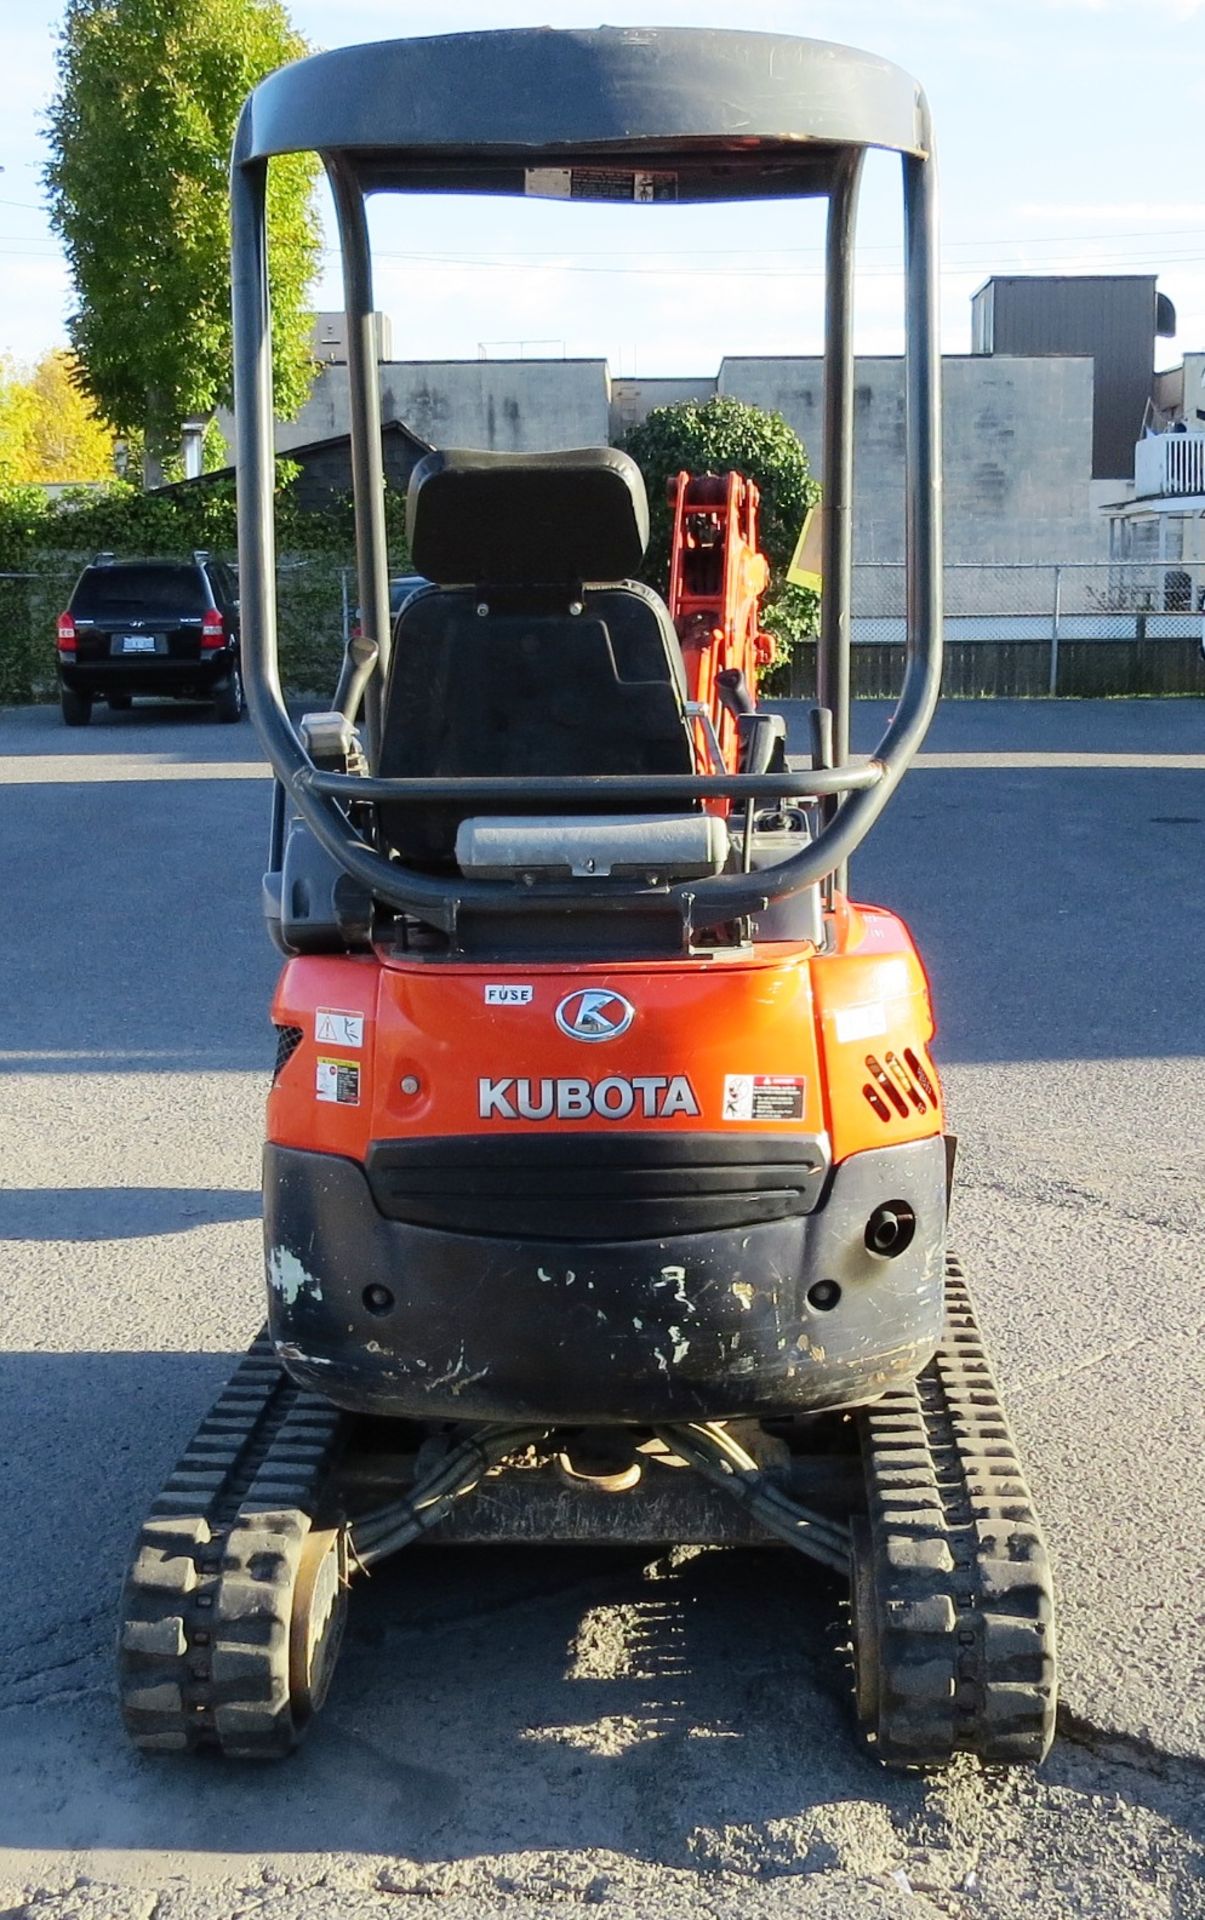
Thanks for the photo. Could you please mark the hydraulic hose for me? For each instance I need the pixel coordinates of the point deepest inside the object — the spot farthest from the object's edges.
(712, 1451)
(401, 1522)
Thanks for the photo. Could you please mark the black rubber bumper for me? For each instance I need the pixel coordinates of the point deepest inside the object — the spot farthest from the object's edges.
(385, 1317)
(149, 675)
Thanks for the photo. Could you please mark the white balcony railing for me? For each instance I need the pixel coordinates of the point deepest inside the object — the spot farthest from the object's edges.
(1167, 464)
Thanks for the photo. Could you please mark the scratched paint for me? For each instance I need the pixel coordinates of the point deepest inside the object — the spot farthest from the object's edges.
(289, 1278)
(675, 1277)
(468, 1380)
(453, 1372)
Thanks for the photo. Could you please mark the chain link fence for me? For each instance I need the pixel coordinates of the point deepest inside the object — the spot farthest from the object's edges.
(1073, 628)
(1077, 628)
(316, 606)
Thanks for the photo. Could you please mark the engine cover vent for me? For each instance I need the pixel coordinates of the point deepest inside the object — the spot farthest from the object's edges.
(596, 1186)
(899, 1086)
(288, 1039)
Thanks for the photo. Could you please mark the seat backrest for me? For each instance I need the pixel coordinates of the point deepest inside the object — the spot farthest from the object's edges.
(523, 676)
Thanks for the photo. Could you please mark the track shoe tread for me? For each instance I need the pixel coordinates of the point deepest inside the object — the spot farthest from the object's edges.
(203, 1644)
(953, 1600)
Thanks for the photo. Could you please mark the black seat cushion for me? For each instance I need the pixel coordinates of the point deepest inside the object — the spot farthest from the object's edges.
(514, 694)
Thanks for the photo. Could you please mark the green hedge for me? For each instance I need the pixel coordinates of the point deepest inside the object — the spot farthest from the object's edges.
(723, 435)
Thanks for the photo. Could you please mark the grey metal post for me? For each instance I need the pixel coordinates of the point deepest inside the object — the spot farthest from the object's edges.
(367, 466)
(833, 652)
(923, 489)
(255, 453)
(1054, 632)
(255, 450)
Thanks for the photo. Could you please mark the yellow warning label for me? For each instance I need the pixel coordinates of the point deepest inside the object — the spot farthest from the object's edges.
(338, 1081)
(806, 565)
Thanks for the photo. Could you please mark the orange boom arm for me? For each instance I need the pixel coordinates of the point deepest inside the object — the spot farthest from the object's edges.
(718, 575)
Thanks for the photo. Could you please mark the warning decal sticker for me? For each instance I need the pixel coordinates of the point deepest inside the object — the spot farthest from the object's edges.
(599, 183)
(860, 1023)
(335, 1028)
(338, 1081)
(764, 1096)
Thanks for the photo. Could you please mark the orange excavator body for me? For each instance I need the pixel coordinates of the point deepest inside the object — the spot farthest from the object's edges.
(844, 1034)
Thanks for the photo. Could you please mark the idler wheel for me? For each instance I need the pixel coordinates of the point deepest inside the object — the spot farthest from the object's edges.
(277, 1623)
(318, 1618)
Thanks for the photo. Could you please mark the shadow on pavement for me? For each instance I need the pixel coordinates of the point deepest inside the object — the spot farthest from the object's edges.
(117, 1213)
(486, 1700)
(1059, 910)
(132, 938)
(184, 730)
(692, 1710)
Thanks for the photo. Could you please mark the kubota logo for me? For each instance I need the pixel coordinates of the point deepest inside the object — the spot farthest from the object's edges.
(594, 1013)
(655, 1096)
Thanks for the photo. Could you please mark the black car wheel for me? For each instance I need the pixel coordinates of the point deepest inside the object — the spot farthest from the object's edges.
(228, 701)
(77, 707)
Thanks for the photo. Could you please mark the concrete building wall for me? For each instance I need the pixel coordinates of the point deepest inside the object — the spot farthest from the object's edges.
(633, 400)
(507, 406)
(1017, 434)
(1017, 451)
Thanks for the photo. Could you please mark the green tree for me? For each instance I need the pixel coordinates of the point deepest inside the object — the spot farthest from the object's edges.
(728, 436)
(140, 134)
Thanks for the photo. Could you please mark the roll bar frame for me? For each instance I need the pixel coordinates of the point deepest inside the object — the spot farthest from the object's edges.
(852, 794)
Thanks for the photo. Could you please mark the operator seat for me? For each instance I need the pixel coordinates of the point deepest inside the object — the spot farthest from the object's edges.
(533, 651)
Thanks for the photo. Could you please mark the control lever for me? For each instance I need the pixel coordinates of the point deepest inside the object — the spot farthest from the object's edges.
(733, 690)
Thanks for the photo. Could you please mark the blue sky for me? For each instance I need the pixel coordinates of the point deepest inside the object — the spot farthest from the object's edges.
(1069, 137)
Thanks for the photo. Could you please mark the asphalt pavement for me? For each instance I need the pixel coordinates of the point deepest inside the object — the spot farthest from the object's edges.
(516, 1731)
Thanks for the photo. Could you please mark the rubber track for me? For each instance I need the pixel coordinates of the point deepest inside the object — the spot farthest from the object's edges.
(203, 1643)
(964, 1610)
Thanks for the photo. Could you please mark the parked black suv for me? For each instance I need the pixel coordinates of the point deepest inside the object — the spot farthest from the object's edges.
(167, 627)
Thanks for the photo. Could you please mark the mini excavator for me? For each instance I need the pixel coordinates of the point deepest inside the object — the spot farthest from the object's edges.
(607, 1176)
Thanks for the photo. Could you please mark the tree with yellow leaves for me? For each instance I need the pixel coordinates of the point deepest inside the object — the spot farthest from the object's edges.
(16, 425)
(71, 442)
(49, 430)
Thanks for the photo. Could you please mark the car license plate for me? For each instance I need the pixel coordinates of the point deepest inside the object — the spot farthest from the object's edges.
(137, 643)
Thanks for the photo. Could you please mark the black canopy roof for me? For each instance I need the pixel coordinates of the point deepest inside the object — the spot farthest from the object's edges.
(631, 113)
